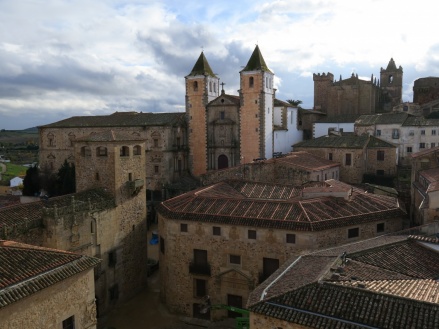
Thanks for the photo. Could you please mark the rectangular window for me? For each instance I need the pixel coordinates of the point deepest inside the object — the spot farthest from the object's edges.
(409, 149)
(156, 169)
(252, 234)
(156, 142)
(380, 155)
(432, 145)
(200, 256)
(112, 258)
(114, 292)
(378, 133)
(69, 323)
(422, 145)
(183, 227)
(422, 132)
(353, 233)
(162, 245)
(330, 156)
(216, 230)
(380, 227)
(269, 266)
(200, 288)
(222, 115)
(395, 133)
(348, 159)
(178, 141)
(291, 238)
(433, 132)
(235, 259)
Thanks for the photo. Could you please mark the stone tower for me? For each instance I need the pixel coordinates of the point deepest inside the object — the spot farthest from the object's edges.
(322, 88)
(391, 86)
(202, 86)
(256, 113)
(115, 161)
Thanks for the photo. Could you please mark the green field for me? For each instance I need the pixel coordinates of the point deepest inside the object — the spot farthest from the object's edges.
(12, 171)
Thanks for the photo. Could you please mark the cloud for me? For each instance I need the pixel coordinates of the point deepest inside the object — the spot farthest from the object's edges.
(59, 60)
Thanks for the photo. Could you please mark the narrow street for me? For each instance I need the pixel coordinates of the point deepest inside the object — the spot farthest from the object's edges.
(145, 311)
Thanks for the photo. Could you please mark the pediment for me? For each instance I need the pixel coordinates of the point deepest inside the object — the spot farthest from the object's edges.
(225, 100)
(234, 274)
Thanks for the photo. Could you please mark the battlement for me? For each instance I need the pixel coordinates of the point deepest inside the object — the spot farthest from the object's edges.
(323, 76)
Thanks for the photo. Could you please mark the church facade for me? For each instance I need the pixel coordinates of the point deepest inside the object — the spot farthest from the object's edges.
(227, 130)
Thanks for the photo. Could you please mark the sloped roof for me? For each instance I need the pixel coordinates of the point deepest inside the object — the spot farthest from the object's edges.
(391, 66)
(420, 121)
(109, 136)
(256, 62)
(23, 214)
(256, 204)
(27, 269)
(425, 152)
(372, 285)
(121, 119)
(345, 141)
(307, 161)
(278, 102)
(381, 118)
(202, 67)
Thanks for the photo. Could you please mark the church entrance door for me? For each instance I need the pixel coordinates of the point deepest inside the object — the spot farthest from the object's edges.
(223, 162)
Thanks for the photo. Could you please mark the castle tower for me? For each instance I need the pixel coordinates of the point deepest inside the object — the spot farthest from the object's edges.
(202, 86)
(256, 113)
(391, 86)
(115, 161)
(322, 86)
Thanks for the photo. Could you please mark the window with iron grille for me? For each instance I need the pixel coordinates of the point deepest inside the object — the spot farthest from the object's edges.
(353, 233)
(291, 238)
(235, 259)
(380, 155)
(183, 227)
(251, 234)
(216, 230)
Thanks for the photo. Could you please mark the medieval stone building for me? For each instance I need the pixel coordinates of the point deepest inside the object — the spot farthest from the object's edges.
(357, 96)
(105, 219)
(225, 239)
(425, 90)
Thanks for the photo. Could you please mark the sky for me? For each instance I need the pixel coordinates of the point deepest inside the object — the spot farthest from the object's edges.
(64, 58)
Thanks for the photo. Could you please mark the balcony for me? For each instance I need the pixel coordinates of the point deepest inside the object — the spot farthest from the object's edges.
(199, 268)
(135, 184)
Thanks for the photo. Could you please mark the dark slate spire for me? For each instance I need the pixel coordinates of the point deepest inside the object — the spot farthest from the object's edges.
(202, 67)
(256, 62)
(391, 66)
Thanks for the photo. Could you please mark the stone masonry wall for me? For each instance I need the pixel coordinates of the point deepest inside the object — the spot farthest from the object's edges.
(49, 307)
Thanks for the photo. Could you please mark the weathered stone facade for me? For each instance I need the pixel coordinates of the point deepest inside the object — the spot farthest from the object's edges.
(357, 155)
(165, 136)
(50, 307)
(227, 258)
(356, 96)
(425, 90)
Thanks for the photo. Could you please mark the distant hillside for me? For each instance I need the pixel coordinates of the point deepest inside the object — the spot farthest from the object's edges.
(18, 137)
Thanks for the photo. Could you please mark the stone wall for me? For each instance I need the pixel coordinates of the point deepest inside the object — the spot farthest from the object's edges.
(178, 285)
(74, 296)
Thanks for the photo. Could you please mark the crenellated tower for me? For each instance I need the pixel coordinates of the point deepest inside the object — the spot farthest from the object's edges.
(202, 86)
(322, 87)
(256, 112)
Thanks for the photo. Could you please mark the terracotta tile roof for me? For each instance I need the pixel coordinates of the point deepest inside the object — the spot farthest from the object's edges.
(121, 119)
(277, 206)
(425, 152)
(29, 215)
(345, 118)
(27, 269)
(420, 121)
(381, 118)
(9, 200)
(308, 161)
(391, 285)
(109, 136)
(345, 141)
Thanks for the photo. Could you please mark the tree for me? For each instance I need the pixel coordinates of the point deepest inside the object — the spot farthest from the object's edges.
(294, 102)
(31, 182)
(66, 182)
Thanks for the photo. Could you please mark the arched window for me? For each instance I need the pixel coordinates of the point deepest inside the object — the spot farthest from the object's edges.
(85, 151)
(71, 139)
(101, 151)
(124, 151)
(137, 150)
(195, 85)
(251, 82)
(210, 86)
(390, 78)
(50, 139)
